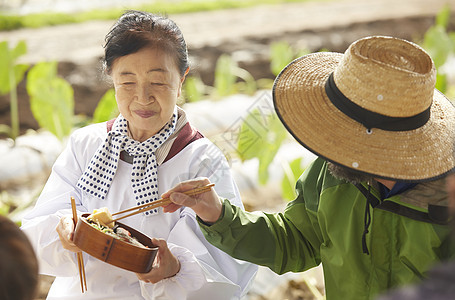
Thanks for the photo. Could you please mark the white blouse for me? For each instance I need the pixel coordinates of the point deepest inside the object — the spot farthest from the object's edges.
(206, 272)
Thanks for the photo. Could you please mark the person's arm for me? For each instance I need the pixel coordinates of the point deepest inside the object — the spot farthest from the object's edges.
(282, 241)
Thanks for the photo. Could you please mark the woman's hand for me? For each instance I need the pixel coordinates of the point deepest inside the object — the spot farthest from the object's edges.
(65, 230)
(207, 205)
(166, 264)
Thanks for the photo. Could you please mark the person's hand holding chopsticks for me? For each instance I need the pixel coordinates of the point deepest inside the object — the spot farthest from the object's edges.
(206, 205)
(65, 230)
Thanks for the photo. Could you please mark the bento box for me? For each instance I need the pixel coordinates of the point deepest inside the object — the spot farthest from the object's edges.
(114, 250)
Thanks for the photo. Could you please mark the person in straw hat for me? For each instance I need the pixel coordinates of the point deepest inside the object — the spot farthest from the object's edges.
(440, 282)
(372, 208)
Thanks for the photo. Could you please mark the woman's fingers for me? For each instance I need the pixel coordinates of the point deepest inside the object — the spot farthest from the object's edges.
(206, 205)
(65, 230)
(183, 199)
(170, 208)
(166, 264)
(187, 185)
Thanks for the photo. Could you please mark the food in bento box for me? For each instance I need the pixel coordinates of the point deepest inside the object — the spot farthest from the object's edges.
(103, 217)
(102, 220)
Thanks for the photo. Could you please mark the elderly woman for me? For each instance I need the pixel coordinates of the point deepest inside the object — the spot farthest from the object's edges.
(147, 149)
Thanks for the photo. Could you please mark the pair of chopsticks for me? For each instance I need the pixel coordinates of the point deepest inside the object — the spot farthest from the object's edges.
(80, 258)
(160, 202)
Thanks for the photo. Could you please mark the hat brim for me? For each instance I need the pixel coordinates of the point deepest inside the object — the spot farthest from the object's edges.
(302, 105)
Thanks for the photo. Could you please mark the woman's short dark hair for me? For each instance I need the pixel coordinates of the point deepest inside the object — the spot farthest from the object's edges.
(136, 29)
(18, 263)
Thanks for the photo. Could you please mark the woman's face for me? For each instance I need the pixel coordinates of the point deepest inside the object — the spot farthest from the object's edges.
(147, 84)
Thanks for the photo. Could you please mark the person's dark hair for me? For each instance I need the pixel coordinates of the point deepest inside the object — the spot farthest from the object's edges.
(18, 263)
(135, 30)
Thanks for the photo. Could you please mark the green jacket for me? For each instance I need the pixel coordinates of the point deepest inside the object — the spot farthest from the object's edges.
(325, 224)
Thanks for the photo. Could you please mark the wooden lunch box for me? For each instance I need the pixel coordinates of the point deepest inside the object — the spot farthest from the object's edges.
(114, 251)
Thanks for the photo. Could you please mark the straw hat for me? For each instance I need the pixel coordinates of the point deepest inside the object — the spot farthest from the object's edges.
(373, 109)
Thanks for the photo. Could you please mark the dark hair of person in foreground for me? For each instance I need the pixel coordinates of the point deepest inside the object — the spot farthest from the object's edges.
(18, 263)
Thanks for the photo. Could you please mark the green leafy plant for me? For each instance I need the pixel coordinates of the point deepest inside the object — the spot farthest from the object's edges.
(260, 137)
(7, 203)
(106, 108)
(227, 73)
(13, 206)
(4, 206)
(194, 89)
(229, 79)
(51, 99)
(440, 44)
(224, 76)
(281, 54)
(11, 73)
(292, 172)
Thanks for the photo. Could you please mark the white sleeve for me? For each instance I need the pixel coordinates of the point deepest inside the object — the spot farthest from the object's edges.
(205, 269)
(219, 276)
(190, 278)
(53, 203)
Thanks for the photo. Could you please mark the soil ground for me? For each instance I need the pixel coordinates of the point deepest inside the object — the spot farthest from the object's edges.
(246, 34)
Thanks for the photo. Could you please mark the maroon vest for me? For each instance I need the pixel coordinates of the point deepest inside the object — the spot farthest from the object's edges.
(186, 136)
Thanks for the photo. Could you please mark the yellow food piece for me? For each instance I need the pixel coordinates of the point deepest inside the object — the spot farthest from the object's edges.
(102, 216)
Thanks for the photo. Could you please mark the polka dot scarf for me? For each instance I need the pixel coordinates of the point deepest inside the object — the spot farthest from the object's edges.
(100, 172)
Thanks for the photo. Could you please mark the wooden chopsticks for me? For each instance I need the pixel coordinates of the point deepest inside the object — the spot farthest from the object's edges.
(80, 258)
(160, 202)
